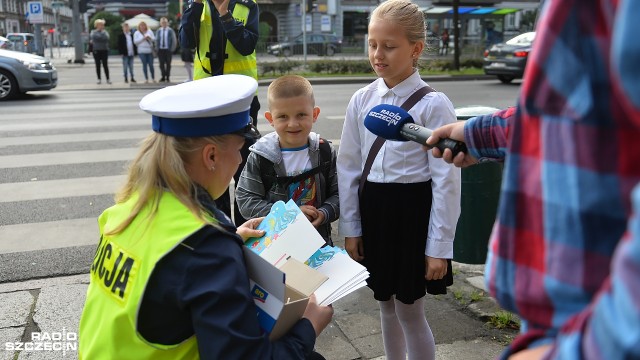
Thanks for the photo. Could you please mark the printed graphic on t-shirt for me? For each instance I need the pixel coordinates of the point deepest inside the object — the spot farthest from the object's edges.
(297, 161)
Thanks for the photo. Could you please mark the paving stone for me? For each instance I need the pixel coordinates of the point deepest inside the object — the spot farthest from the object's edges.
(9, 335)
(15, 308)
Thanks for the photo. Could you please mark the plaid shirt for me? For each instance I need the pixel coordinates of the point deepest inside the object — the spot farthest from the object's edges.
(572, 151)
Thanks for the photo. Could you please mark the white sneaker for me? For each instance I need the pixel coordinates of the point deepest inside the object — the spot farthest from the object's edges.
(109, 82)
(99, 82)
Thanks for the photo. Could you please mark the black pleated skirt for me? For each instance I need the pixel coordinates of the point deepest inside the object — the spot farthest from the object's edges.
(395, 225)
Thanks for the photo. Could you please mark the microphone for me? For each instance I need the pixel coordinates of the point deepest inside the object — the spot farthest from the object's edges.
(394, 123)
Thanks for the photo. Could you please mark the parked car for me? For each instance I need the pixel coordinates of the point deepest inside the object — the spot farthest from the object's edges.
(317, 44)
(25, 42)
(21, 72)
(5, 43)
(508, 60)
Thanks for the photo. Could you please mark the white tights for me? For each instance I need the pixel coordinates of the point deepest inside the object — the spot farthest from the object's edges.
(405, 331)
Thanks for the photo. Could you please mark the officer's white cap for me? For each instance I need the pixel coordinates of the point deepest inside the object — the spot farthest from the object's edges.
(216, 105)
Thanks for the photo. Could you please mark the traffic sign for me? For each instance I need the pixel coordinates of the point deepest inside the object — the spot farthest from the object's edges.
(35, 13)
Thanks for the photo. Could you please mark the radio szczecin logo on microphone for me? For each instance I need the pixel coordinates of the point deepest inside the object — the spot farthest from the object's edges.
(390, 117)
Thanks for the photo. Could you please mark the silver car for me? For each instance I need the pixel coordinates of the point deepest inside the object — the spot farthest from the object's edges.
(21, 72)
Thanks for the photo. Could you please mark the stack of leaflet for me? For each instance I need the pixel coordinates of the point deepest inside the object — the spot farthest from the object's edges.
(290, 235)
(344, 274)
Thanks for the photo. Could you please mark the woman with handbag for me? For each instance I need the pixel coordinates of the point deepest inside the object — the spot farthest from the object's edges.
(145, 41)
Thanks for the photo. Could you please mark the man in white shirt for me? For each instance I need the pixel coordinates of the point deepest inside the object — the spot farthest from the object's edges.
(167, 42)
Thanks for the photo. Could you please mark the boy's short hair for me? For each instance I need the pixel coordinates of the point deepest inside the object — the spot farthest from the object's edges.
(289, 86)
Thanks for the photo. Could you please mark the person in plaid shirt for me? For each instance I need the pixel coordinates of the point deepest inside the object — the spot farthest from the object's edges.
(561, 254)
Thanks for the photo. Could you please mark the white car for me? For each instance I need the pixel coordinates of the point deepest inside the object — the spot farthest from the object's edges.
(21, 72)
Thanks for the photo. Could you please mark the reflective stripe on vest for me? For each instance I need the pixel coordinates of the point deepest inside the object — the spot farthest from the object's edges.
(235, 63)
(119, 274)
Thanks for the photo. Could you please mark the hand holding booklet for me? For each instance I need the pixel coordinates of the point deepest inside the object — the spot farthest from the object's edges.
(288, 264)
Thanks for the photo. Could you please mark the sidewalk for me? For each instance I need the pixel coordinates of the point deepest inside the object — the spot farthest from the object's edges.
(72, 76)
(460, 320)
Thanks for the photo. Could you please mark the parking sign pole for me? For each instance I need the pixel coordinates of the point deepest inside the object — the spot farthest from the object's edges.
(38, 39)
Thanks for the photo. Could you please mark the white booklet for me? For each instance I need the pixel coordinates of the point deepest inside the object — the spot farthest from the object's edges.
(344, 274)
(288, 233)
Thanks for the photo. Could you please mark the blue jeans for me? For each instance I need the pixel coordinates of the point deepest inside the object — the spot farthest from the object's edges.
(127, 66)
(147, 62)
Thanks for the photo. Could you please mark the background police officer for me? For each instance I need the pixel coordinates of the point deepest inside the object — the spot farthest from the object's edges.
(224, 34)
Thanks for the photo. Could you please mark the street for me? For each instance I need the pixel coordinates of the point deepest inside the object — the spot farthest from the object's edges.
(63, 154)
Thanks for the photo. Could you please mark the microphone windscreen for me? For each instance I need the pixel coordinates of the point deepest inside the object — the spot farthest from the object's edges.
(386, 121)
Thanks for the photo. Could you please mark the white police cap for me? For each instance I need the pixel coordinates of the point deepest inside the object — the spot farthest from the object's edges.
(216, 105)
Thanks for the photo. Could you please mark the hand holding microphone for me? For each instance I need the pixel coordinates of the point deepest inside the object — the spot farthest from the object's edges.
(394, 123)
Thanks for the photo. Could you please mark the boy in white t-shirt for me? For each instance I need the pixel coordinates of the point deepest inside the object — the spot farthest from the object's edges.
(293, 162)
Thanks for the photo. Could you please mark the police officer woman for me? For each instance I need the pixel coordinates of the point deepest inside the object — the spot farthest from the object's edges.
(168, 280)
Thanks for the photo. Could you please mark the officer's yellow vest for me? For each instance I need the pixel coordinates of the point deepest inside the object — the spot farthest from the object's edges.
(235, 63)
(119, 274)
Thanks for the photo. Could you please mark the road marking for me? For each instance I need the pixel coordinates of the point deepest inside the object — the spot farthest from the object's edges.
(48, 235)
(55, 189)
(70, 138)
(66, 158)
(335, 117)
(72, 124)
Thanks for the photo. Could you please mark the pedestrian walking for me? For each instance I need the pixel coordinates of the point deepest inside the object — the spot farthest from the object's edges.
(444, 38)
(402, 225)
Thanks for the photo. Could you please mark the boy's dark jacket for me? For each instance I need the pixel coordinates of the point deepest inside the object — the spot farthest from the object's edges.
(254, 200)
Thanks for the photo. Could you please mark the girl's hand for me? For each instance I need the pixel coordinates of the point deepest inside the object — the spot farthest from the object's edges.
(248, 229)
(436, 268)
(354, 247)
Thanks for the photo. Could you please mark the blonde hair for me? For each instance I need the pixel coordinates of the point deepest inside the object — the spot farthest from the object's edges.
(99, 21)
(289, 86)
(143, 23)
(160, 166)
(406, 14)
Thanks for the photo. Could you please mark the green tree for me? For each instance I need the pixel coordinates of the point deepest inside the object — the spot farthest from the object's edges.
(113, 26)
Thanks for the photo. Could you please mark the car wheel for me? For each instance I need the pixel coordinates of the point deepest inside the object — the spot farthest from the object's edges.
(505, 79)
(330, 51)
(286, 52)
(8, 85)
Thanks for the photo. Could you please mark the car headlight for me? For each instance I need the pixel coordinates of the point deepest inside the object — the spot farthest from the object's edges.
(34, 65)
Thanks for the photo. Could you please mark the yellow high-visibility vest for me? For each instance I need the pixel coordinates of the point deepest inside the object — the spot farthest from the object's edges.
(234, 63)
(119, 274)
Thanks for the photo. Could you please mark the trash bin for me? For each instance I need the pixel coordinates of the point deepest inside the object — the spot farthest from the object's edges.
(478, 202)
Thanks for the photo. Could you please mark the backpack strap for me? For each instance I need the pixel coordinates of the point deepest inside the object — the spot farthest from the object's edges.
(378, 142)
(270, 178)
